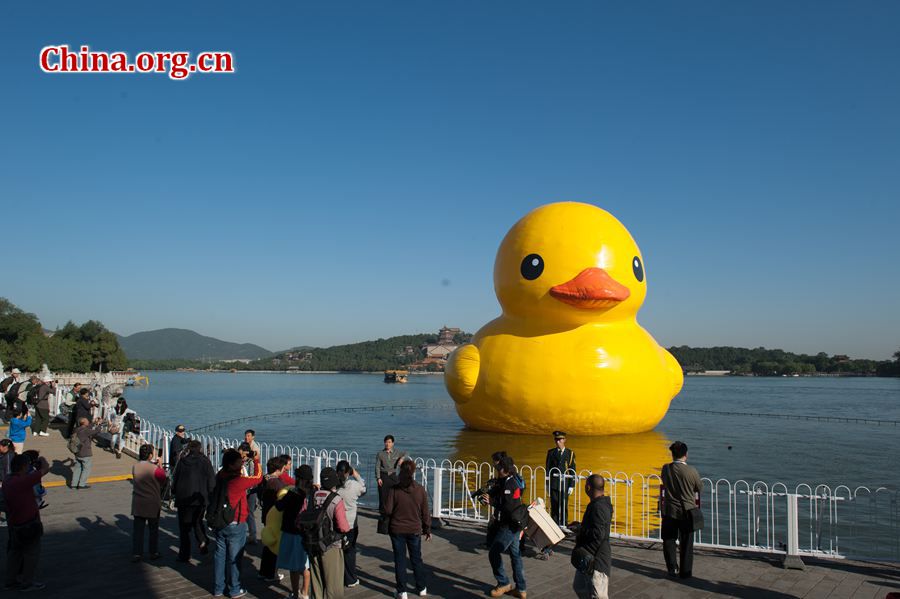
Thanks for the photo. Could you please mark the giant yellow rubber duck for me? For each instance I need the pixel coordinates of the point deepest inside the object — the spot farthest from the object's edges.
(567, 353)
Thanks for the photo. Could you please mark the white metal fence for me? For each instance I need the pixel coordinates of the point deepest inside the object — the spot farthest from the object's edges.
(805, 520)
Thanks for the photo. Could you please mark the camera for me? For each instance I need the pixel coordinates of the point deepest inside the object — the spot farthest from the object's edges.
(244, 447)
(486, 489)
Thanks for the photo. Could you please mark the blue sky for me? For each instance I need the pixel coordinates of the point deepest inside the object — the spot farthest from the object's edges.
(354, 177)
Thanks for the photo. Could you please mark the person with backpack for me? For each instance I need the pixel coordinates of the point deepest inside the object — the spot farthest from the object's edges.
(9, 391)
(18, 428)
(80, 445)
(227, 517)
(146, 501)
(511, 517)
(407, 507)
(324, 524)
(353, 486)
(39, 397)
(291, 552)
(193, 483)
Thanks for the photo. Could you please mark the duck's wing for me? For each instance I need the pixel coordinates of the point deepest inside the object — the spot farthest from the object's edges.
(461, 372)
(675, 370)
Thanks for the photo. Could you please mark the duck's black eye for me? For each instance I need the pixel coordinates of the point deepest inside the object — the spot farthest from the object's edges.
(532, 266)
(638, 269)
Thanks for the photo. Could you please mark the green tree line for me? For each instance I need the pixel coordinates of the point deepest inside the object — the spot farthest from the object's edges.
(775, 362)
(72, 348)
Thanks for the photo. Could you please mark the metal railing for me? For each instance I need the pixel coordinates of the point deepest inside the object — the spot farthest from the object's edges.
(801, 520)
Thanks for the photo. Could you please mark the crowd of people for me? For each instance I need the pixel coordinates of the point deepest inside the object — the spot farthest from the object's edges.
(310, 529)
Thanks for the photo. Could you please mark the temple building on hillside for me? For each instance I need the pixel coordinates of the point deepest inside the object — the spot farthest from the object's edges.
(446, 335)
(436, 353)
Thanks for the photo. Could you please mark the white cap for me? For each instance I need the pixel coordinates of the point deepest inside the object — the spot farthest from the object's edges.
(47, 378)
(16, 371)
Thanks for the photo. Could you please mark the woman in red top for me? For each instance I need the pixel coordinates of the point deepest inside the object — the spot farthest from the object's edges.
(231, 539)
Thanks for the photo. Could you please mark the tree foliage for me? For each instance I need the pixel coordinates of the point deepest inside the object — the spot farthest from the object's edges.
(776, 362)
(72, 348)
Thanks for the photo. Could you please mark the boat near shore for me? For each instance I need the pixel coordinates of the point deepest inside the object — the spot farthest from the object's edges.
(396, 376)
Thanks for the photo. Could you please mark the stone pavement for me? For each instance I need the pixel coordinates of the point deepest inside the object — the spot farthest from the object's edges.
(87, 547)
(105, 466)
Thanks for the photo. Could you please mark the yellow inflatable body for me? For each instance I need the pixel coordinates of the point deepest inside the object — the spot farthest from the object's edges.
(567, 353)
(271, 534)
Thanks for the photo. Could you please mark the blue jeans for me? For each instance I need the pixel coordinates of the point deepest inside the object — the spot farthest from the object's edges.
(227, 556)
(413, 543)
(507, 540)
(251, 517)
(81, 471)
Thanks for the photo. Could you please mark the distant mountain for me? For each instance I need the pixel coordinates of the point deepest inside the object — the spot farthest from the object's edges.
(182, 344)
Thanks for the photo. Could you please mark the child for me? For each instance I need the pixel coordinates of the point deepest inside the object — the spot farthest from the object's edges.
(40, 493)
(21, 420)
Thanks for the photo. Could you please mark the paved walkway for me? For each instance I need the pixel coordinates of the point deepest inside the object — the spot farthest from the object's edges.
(105, 467)
(87, 547)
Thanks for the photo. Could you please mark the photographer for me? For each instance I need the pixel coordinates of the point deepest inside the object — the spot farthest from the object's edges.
(85, 455)
(511, 517)
(25, 528)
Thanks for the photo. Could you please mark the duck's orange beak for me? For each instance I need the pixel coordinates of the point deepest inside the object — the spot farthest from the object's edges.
(592, 289)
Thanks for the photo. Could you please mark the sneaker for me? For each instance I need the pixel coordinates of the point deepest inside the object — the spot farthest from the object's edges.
(355, 583)
(34, 586)
(501, 589)
(240, 593)
(43, 434)
(402, 595)
(423, 592)
(277, 578)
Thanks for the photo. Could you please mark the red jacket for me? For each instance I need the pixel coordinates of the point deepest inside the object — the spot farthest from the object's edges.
(237, 491)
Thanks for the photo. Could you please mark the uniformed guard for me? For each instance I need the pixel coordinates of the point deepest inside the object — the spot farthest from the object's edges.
(561, 470)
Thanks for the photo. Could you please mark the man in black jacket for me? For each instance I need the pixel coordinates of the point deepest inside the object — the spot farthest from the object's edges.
(510, 516)
(193, 481)
(176, 446)
(561, 470)
(592, 555)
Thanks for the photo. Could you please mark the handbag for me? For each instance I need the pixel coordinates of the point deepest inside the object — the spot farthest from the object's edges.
(583, 560)
(696, 519)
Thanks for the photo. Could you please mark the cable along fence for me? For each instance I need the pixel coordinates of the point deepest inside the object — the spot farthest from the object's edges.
(803, 520)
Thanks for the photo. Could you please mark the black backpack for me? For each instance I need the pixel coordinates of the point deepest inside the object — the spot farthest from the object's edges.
(12, 392)
(316, 527)
(220, 513)
(32, 397)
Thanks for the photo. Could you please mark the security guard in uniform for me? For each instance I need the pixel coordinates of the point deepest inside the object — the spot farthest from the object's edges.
(562, 472)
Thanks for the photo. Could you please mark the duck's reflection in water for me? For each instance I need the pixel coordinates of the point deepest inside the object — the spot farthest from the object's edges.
(630, 464)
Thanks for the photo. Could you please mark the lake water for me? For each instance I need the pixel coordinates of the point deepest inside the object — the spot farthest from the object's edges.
(732, 447)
